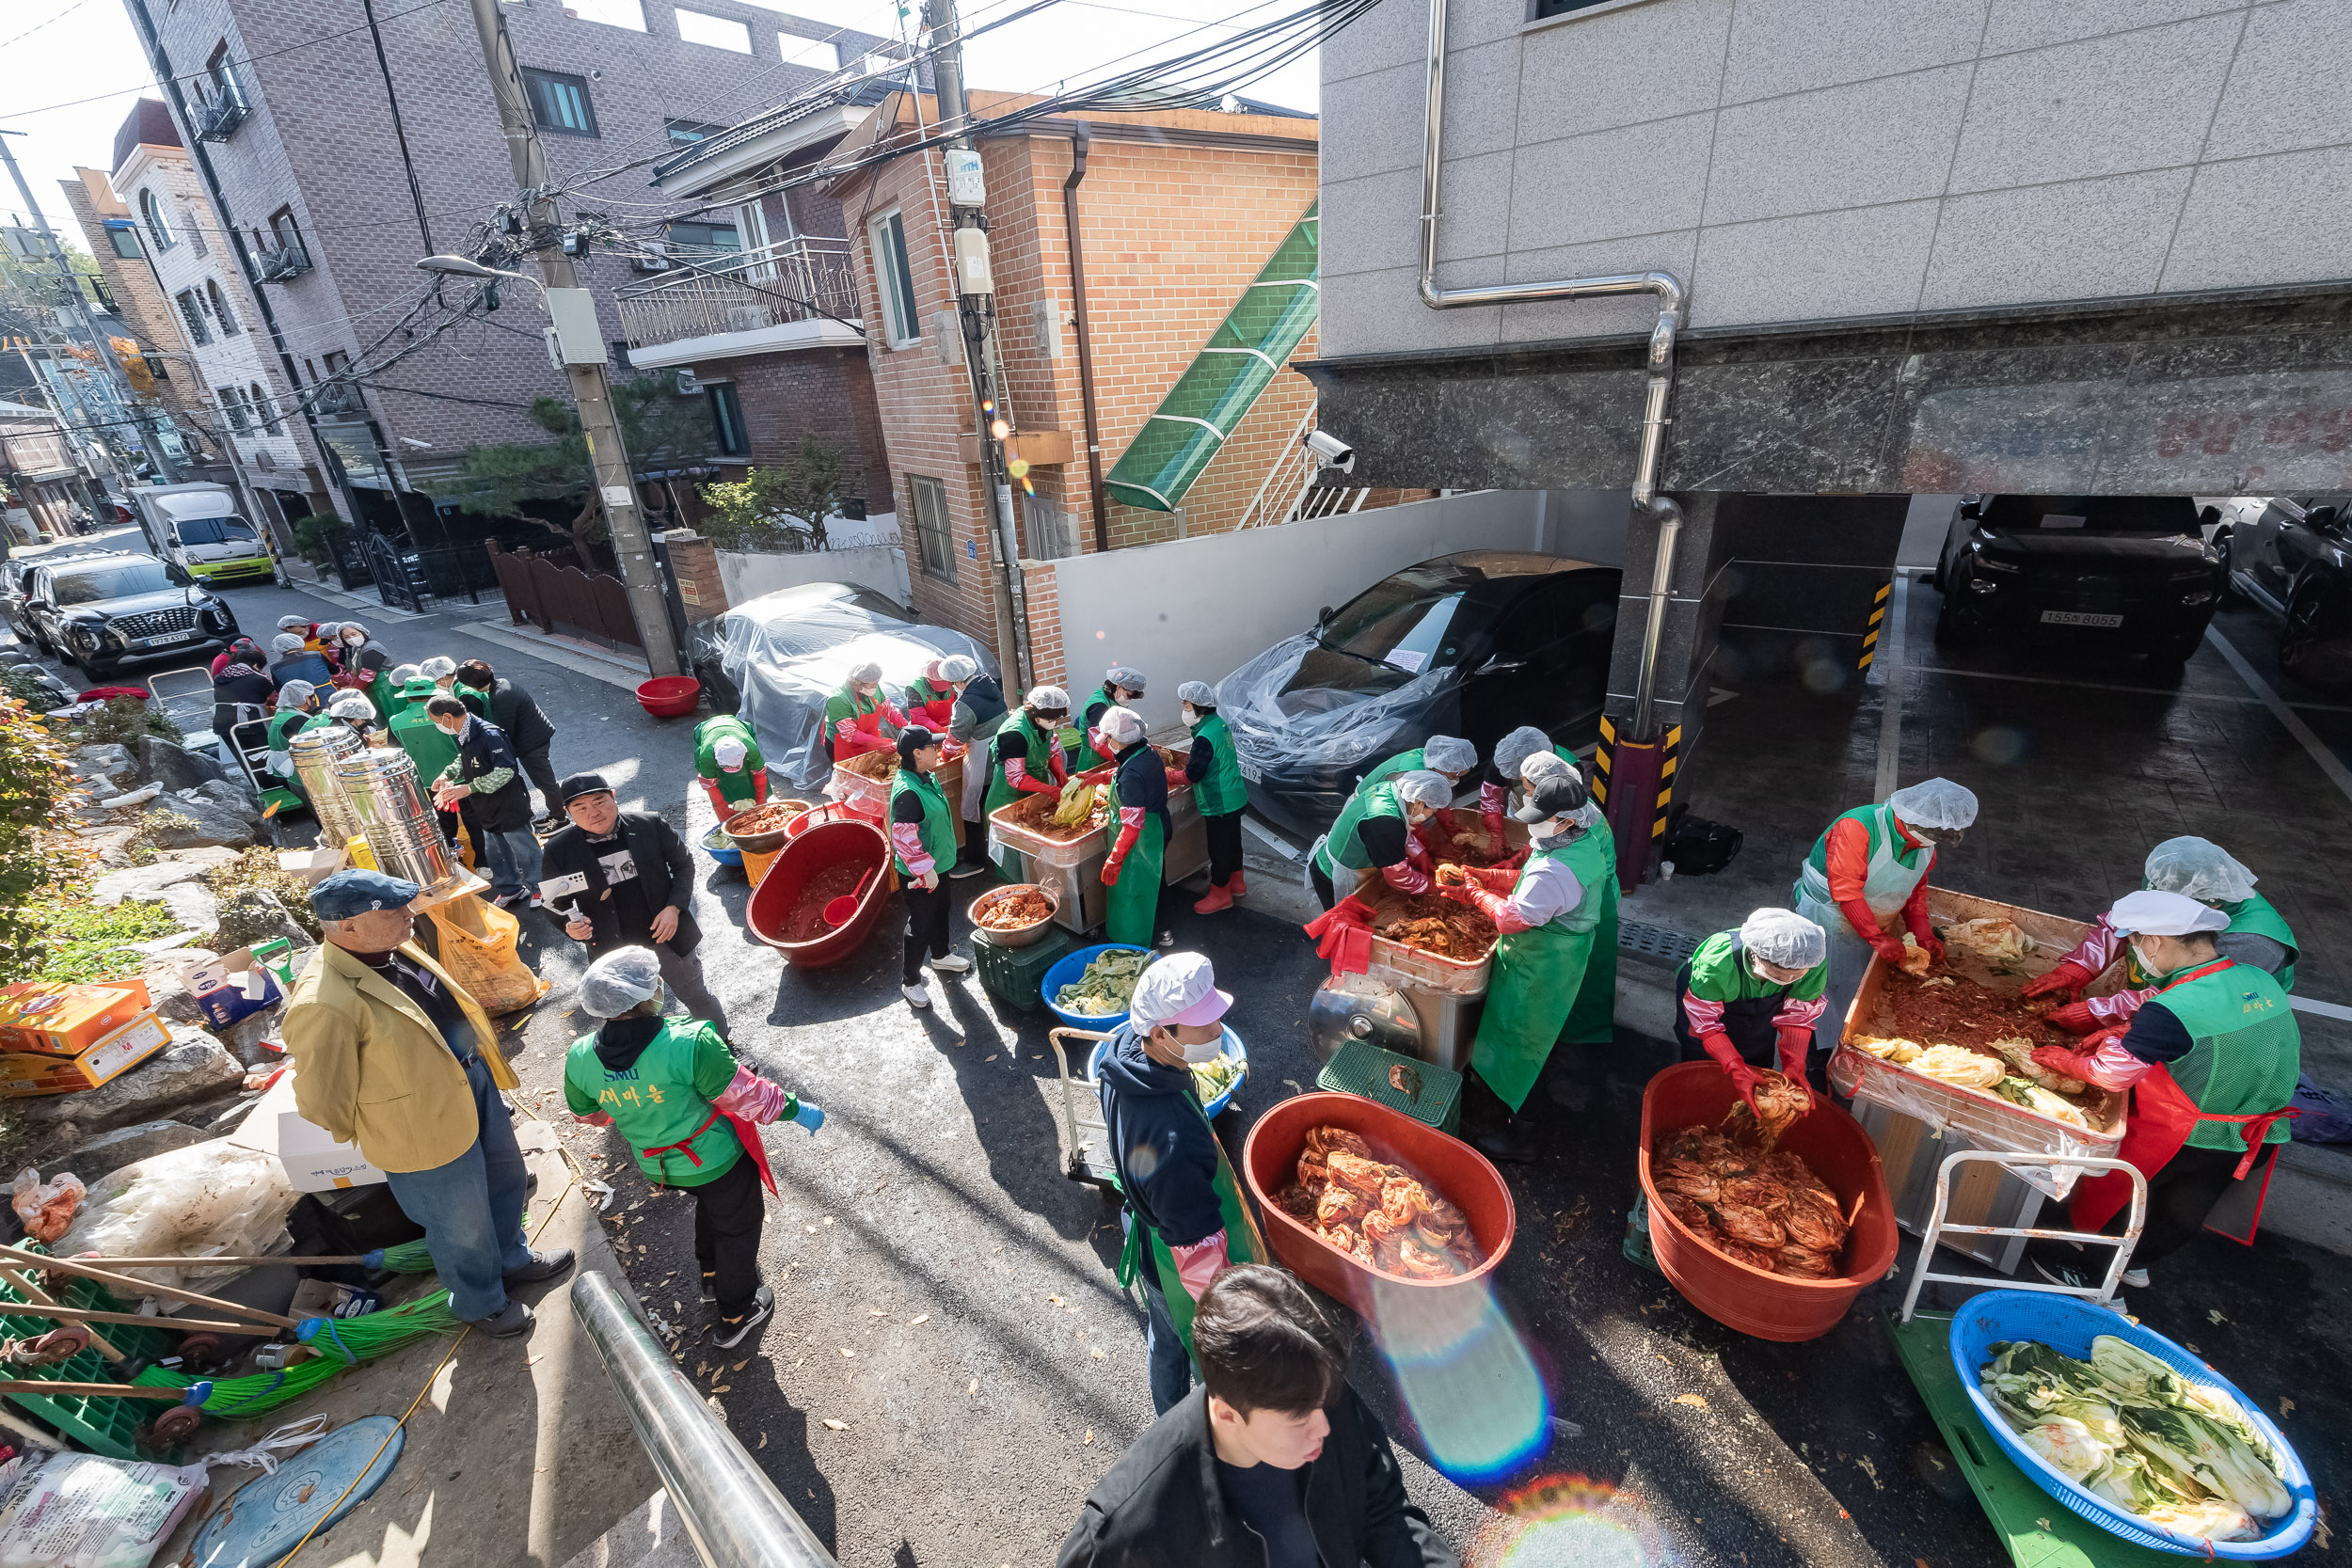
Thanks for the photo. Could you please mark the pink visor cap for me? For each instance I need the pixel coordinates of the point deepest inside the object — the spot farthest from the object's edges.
(1179, 989)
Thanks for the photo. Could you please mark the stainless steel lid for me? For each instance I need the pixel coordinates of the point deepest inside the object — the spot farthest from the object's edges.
(1358, 1007)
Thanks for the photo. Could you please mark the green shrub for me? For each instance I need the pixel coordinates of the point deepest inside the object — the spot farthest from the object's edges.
(87, 942)
(122, 721)
(257, 870)
(34, 860)
(311, 533)
(22, 682)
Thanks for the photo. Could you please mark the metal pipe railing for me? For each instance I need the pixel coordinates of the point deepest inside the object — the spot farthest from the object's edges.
(734, 1514)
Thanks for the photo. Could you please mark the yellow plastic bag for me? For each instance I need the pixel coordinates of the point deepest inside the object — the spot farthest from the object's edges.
(477, 947)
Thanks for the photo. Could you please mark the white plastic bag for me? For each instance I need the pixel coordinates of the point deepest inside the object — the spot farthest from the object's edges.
(46, 1206)
(81, 1510)
(208, 1197)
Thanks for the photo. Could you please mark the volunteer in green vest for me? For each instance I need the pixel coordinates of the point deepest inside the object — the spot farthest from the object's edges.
(430, 747)
(396, 681)
(854, 714)
(691, 1114)
(929, 699)
(1375, 830)
(1186, 1215)
(1133, 869)
(1865, 880)
(1507, 771)
(2210, 1061)
(297, 710)
(1751, 998)
(1024, 757)
(979, 708)
(922, 845)
(363, 667)
(1123, 687)
(1549, 912)
(728, 762)
(1214, 770)
(2194, 868)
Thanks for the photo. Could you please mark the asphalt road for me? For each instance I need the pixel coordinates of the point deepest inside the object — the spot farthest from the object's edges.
(953, 1365)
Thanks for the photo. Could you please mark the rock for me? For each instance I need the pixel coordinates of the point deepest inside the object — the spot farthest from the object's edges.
(195, 907)
(253, 915)
(194, 1068)
(145, 884)
(208, 822)
(164, 991)
(108, 761)
(235, 797)
(126, 1146)
(245, 1035)
(176, 767)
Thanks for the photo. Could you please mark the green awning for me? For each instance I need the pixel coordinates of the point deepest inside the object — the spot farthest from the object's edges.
(1218, 388)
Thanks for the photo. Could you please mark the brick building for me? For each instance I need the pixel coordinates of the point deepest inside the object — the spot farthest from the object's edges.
(332, 201)
(1178, 212)
(37, 470)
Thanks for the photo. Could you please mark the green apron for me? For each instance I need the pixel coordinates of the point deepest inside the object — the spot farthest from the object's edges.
(1133, 915)
(674, 1134)
(1082, 754)
(2253, 916)
(1592, 1018)
(847, 704)
(1243, 1244)
(938, 831)
(739, 787)
(1886, 889)
(1221, 792)
(431, 748)
(2248, 1051)
(1001, 794)
(1395, 767)
(1343, 848)
(1539, 976)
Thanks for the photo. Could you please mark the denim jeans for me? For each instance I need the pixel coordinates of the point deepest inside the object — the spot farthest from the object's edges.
(513, 859)
(1164, 1352)
(472, 1208)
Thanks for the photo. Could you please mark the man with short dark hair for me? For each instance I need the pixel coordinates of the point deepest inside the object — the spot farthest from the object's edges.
(1274, 1463)
(486, 788)
(517, 714)
(620, 879)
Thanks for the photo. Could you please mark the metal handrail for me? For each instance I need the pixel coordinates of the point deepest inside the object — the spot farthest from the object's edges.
(734, 1514)
(808, 277)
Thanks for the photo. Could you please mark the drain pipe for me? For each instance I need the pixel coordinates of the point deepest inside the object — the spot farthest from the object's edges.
(1081, 138)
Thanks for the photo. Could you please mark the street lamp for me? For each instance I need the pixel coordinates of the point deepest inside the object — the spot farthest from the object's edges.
(459, 266)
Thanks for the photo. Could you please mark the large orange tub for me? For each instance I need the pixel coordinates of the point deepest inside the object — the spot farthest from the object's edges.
(1769, 1305)
(1458, 1172)
(846, 849)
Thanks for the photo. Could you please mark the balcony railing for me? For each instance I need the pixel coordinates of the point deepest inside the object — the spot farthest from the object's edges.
(798, 280)
(340, 398)
(284, 265)
(217, 119)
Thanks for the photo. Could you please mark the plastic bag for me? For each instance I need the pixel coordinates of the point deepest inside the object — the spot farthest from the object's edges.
(208, 1197)
(2326, 1117)
(81, 1510)
(1320, 725)
(46, 1206)
(477, 948)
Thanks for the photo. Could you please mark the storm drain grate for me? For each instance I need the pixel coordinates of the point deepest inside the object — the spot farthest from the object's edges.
(1661, 944)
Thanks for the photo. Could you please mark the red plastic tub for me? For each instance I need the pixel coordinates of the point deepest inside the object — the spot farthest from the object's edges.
(670, 696)
(852, 846)
(1769, 1305)
(1458, 1172)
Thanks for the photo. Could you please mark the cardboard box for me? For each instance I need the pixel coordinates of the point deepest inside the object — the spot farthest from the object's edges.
(237, 985)
(66, 1021)
(314, 1161)
(31, 1073)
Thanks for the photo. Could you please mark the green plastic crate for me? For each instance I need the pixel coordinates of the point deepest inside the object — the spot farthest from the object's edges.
(1364, 1070)
(100, 1423)
(1013, 975)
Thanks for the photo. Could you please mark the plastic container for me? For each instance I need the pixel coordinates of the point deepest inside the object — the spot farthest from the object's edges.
(1066, 973)
(100, 1423)
(2068, 1324)
(772, 839)
(1459, 1173)
(1017, 936)
(1229, 1045)
(1015, 976)
(717, 846)
(1752, 1299)
(670, 696)
(1425, 1091)
(802, 859)
(1090, 845)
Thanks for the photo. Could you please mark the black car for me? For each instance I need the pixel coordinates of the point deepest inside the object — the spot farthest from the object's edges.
(2294, 557)
(13, 572)
(2135, 569)
(106, 612)
(1474, 644)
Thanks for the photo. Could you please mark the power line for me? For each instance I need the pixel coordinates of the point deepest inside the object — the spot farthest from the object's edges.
(39, 25)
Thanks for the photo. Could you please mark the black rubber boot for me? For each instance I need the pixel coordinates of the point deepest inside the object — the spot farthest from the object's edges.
(1491, 1127)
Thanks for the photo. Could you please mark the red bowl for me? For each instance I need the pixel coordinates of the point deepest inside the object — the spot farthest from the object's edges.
(670, 696)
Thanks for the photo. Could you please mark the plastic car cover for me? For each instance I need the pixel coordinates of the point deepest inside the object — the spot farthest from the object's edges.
(2198, 868)
(786, 652)
(1938, 803)
(1319, 726)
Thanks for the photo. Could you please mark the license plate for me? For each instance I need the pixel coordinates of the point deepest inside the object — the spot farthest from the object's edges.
(164, 640)
(2078, 618)
(1250, 774)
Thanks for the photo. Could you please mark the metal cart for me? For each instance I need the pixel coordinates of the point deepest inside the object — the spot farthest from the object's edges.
(185, 697)
(249, 742)
(1086, 1141)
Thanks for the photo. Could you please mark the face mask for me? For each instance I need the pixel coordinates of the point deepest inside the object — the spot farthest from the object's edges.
(1191, 718)
(2147, 965)
(1207, 1051)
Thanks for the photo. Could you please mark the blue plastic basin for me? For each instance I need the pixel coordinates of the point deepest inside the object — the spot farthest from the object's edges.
(2068, 1324)
(1066, 973)
(721, 852)
(1230, 1045)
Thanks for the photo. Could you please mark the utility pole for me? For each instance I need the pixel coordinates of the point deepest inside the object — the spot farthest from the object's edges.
(80, 315)
(616, 488)
(968, 267)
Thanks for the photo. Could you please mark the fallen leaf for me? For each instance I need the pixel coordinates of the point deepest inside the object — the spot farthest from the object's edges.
(874, 1312)
(763, 1440)
(723, 1388)
(1698, 1400)
(812, 1229)
(2286, 1408)
(740, 1365)
(1872, 1471)
(533, 1361)
(701, 1367)
(972, 1388)
(1089, 1437)
(837, 1425)
(846, 1351)
(990, 1057)
(1098, 1353)
(2214, 1316)
(1056, 1300)
(924, 1319)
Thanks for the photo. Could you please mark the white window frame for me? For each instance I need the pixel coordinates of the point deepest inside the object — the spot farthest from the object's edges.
(894, 278)
(751, 228)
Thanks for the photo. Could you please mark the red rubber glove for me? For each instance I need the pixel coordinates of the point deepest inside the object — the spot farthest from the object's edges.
(1176, 779)
(1934, 945)
(1100, 775)
(718, 801)
(2067, 976)
(1110, 868)
(2077, 1017)
(1513, 860)
(1745, 1079)
(1446, 822)
(2073, 1064)
(759, 787)
(1492, 821)
(1494, 878)
(1890, 948)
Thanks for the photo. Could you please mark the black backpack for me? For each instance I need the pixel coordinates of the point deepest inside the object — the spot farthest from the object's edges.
(1696, 846)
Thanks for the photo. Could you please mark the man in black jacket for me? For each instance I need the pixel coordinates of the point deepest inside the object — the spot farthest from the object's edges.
(623, 878)
(528, 730)
(487, 793)
(1274, 1463)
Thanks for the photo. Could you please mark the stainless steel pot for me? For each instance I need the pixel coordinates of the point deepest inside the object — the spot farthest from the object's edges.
(382, 787)
(316, 751)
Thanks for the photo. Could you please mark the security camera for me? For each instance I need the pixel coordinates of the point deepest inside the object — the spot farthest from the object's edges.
(1331, 452)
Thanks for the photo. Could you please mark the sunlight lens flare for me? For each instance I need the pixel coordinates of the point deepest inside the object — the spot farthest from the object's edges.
(1466, 1378)
(1570, 1521)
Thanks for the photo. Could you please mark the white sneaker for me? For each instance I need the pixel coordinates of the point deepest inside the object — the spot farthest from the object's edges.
(954, 963)
(916, 996)
(2135, 1278)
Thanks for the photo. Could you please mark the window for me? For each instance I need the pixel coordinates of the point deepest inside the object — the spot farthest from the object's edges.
(284, 235)
(686, 133)
(706, 236)
(560, 103)
(265, 410)
(726, 419)
(233, 405)
(751, 222)
(816, 53)
(218, 303)
(1539, 9)
(715, 31)
(221, 85)
(934, 538)
(155, 363)
(124, 237)
(158, 224)
(613, 13)
(1048, 528)
(894, 279)
(193, 314)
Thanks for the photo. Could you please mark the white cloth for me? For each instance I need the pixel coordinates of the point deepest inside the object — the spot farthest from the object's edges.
(1547, 889)
(2150, 913)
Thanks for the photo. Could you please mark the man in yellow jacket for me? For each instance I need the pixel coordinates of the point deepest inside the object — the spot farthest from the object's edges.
(390, 1053)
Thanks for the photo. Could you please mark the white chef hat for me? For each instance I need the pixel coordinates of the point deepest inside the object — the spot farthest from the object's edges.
(439, 667)
(1785, 938)
(1049, 699)
(1121, 726)
(618, 981)
(2150, 913)
(728, 752)
(1180, 988)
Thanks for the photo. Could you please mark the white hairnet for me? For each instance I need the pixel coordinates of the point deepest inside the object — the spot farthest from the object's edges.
(956, 667)
(294, 623)
(1544, 764)
(1938, 803)
(1785, 938)
(1516, 747)
(401, 674)
(285, 642)
(2164, 915)
(1449, 754)
(349, 626)
(1126, 677)
(728, 752)
(1199, 693)
(1422, 788)
(1121, 726)
(2198, 868)
(618, 981)
(1049, 699)
(351, 708)
(439, 667)
(296, 693)
(861, 674)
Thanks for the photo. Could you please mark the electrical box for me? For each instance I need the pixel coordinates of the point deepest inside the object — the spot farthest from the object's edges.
(972, 274)
(579, 339)
(965, 185)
